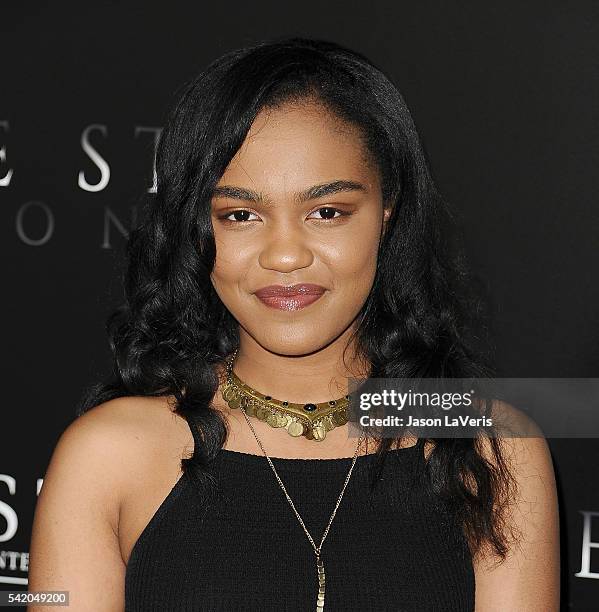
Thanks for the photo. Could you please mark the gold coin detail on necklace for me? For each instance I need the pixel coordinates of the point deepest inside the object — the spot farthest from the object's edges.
(262, 413)
(234, 403)
(281, 420)
(295, 428)
(228, 393)
(328, 423)
(287, 420)
(319, 432)
(274, 420)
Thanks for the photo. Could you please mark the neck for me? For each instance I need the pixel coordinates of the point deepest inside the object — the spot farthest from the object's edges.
(316, 377)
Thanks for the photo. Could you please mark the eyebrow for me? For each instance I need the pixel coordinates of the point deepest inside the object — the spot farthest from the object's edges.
(316, 191)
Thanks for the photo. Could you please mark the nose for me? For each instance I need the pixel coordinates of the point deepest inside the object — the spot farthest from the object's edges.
(286, 250)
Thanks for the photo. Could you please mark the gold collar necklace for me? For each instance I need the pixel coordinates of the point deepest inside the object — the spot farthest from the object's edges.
(312, 420)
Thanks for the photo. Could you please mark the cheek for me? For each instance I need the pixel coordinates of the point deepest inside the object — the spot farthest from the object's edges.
(225, 275)
(230, 265)
(352, 271)
(353, 262)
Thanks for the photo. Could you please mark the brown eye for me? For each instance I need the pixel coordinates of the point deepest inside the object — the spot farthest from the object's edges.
(240, 216)
(328, 213)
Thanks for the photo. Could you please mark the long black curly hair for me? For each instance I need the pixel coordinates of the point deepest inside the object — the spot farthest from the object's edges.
(422, 318)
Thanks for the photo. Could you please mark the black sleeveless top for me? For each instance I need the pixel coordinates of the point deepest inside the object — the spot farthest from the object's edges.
(240, 547)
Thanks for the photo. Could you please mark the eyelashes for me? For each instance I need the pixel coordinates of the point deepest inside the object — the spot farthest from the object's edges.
(243, 212)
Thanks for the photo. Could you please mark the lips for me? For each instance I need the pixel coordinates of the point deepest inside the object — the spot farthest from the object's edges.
(292, 297)
(290, 290)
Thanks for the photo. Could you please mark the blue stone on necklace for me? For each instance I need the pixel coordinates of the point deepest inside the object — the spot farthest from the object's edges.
(309, 407)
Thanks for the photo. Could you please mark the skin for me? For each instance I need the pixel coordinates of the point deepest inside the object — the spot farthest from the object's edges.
(91, 511)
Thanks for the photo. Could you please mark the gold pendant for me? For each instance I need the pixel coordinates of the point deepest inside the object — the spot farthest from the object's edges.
(321, 585)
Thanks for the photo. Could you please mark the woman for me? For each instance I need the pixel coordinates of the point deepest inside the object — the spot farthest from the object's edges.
(296, 240)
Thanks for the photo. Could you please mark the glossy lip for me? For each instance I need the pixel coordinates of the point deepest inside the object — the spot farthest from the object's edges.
(290, 290)
(291, 297)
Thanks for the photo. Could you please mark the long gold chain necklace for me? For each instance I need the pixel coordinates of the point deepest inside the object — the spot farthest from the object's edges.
(311, 420)
(319, 563)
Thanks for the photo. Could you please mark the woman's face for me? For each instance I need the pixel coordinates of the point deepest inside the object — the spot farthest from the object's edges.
(309, 210)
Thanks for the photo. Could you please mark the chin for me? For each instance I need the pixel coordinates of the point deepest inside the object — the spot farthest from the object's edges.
(295, 344)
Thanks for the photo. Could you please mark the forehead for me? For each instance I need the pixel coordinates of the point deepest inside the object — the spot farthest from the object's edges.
(300, 143)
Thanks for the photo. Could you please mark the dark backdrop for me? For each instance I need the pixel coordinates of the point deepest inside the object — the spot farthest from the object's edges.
(504, 96)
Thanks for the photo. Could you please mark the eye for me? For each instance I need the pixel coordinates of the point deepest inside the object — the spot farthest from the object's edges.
(329, 213)
(238, 213)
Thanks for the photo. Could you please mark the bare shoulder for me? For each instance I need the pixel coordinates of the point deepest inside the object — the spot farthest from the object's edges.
(137, 411)
(93, 463)
(523, 446)
(139, 432)
(125, 428)
(96, 443)
(529, 576)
